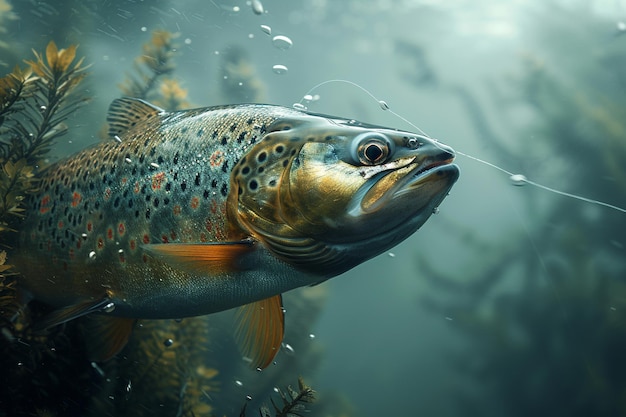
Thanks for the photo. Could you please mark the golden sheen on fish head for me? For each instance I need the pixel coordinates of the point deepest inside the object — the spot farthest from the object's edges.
(326, 194)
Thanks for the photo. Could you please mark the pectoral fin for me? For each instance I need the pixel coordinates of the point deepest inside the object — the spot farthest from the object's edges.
(106, 336)
(260, 330)
(72, 312)
(206, 257)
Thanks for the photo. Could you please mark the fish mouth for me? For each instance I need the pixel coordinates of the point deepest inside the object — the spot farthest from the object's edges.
(424, 182)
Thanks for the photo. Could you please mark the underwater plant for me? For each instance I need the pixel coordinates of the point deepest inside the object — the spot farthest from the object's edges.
(544, 323)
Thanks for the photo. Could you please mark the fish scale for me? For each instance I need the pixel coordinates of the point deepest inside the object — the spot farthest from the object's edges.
(103, 203)
(192, 212)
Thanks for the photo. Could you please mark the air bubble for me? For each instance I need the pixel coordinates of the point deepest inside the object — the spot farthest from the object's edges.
(92, 255)
(117, 139)
(168, 342)
(280, 69)
(187, 41)
(621, 27)
(288, 349)
(248, 397)
(383, 104)
(144, 29)
(128, 160)
(282, 42)
(391, 255)
(266, 29)
(257, 7)
(311, 336)
(299, 106)
(436, 210)
(154, 165)
(238, 383)
(108, 308)
(236, 9)
(518, 180)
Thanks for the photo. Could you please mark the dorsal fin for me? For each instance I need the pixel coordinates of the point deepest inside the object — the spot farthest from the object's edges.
(260, 330)
(125, 113)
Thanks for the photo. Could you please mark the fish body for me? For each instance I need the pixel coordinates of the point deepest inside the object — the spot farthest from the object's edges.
(192, 212)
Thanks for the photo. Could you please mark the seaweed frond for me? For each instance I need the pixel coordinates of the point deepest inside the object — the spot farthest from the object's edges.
(155, 62)
(34, 104)
(293, 402)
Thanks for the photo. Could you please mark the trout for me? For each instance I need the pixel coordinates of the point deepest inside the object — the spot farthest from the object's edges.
(192, 212)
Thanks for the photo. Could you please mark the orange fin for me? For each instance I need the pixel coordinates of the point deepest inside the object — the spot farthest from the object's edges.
(125, 113)
(206, 257)
(72, 312)
(106, 336)
(260, 330)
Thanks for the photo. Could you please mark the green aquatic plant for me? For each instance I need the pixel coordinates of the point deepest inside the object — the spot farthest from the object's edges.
(544, 319)
(293, 402)
(34, 104)
(151, 79)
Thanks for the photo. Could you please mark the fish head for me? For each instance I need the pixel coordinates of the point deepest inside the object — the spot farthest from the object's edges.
(326, 194)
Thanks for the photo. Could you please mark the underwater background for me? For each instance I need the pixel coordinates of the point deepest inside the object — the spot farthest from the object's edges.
(509, 301)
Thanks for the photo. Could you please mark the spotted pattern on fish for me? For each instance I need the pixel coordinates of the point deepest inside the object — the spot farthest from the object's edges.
(152, 187)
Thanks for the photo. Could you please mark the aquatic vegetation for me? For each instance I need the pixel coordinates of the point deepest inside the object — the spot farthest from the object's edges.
(545, 322)
(240, 81)
(152, 70)
(293, 402)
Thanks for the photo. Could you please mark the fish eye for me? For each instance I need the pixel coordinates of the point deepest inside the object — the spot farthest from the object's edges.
(371, 148)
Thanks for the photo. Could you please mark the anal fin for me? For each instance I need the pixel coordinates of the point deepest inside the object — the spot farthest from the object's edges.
(106, 335)
(260, 330)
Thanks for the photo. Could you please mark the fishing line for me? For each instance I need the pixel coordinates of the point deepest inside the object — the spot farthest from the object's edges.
(516, 179)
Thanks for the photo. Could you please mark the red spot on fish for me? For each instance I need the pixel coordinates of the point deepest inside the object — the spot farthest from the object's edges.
(121, 229)
(100, 243)
(195, 202)
(213, 206)
(173, 235)
(76, 197)
(202, 237)
(89, 226)
(71, 253)
(146, 239)
(122, 258)
(176, 210)
(60, 224)
(110, 233)
(136, 189)
(132, 244)
(216, 159)
(157, 180)
(164, 239)
(45, 200)
(145, 258)
(124, 181)
(79, 243)
(107, 194)
(208, 226)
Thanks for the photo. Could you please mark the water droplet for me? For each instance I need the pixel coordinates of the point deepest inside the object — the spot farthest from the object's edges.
(266, 29)
(383, 105)
(92, 255)
(518, 180)
(392, 255)
(108, 308)
(299, 106)
(288, 349)
(257, 7)
(238, 383)
(279, 69)
(168, 342)
(282, 42)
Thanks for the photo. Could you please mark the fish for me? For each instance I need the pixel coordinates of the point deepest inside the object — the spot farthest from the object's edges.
(191, 212)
